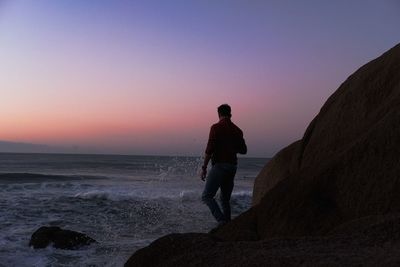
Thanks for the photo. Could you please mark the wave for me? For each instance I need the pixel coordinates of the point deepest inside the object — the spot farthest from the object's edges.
(184, 196)
(23, 177)
(95, 194)
(243, 193)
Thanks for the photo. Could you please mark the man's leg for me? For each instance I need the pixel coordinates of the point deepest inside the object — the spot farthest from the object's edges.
(211, 188)
(226, 191)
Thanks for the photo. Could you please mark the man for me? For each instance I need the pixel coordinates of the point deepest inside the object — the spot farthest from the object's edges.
(225, 141)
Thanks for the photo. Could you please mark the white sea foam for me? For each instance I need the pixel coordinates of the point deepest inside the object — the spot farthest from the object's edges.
(94, 194)
(246, 193)
(186, 195)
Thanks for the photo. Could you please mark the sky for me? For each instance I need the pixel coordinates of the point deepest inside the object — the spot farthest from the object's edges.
(146, 77)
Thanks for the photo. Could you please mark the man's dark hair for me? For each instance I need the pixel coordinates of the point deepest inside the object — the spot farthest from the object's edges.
(224, 110)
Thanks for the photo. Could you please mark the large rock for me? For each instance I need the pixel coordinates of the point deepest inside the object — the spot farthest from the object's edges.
(279, 167)
(342, 174)
(349, 159)
(59, 238)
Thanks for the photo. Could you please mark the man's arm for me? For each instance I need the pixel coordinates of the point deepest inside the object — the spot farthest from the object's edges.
(242, 147)
(207, 158)
(209, 151)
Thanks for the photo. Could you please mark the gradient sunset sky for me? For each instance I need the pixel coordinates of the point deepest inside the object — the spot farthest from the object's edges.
(146, 77)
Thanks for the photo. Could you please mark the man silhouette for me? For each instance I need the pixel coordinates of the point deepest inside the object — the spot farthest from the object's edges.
(225, 141)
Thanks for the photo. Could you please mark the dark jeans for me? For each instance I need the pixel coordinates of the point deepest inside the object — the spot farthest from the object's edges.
(220, 176)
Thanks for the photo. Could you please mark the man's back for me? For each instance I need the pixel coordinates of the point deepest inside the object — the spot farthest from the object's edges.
(225, 141)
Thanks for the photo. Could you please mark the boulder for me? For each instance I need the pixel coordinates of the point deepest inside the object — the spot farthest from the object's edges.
(59, 238)
(279, 167)
(348, 164)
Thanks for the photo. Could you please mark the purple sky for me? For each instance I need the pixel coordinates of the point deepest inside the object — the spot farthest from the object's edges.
(146, 77)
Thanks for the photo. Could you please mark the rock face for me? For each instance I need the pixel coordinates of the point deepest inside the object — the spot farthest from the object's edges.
(59, 238)
(279, 167)
(340, 177)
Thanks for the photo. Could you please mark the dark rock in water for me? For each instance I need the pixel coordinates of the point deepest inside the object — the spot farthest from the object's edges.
(331, 198)
(59, 238)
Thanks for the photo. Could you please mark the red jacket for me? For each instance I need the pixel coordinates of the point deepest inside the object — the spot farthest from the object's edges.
(225, 141)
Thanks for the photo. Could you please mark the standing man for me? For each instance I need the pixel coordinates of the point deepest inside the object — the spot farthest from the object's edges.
(225, 141)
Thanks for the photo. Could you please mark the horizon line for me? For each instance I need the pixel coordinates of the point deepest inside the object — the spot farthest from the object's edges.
(116, 154)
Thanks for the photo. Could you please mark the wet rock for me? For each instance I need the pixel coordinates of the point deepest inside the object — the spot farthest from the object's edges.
(59, 238)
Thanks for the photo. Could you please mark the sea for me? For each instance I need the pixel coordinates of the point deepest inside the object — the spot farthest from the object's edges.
(124, 202)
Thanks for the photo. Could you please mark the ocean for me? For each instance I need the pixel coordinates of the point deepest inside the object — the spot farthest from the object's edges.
(124, 202)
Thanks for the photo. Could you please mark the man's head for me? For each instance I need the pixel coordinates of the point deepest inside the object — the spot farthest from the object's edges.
(224, 111)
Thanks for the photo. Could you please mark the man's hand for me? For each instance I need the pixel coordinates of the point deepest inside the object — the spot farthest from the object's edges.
(203, 173)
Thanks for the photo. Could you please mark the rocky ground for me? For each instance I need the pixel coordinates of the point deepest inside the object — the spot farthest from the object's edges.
(377, 244)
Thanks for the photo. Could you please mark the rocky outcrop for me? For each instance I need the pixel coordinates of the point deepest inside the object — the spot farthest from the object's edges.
(278, 168)
(349, 165)
(343, 174)
(376, 244)
(59, 238)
